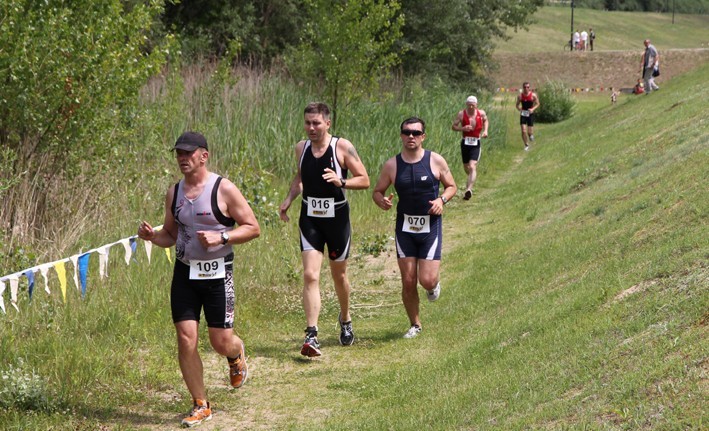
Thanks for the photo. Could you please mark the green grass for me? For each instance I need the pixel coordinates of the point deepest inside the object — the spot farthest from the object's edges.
(614, 30)
(531, 331)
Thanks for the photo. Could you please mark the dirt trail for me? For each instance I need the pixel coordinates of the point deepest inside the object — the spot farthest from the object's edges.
(591, 69)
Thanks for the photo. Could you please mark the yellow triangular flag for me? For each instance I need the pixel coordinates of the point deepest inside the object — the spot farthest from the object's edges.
(61, 272)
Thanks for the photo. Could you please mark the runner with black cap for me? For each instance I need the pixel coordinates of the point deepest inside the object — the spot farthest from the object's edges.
(205, 215)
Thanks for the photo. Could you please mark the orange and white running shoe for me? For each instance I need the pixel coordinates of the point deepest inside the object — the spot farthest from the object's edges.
(201, 411)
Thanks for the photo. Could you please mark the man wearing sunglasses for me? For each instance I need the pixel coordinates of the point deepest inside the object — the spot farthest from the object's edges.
(416, 175)
(527, 103)
(473, 123)
(323, 163)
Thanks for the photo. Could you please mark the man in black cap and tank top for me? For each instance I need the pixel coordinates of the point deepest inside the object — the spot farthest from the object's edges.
(205, 215)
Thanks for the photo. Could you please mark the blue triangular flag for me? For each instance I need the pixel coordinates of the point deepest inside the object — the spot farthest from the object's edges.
(30, 279)
(83, 270)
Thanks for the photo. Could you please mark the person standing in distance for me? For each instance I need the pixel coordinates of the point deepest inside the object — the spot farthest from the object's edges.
(201, 212)
(416, 174)
(591, 37)
(527, 103)
(323, 163)
(473, 123)
(650, 60)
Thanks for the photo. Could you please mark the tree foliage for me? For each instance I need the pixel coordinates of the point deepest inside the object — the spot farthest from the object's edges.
(70, 70)
(262, 28)
(455, 39)
(346, 45)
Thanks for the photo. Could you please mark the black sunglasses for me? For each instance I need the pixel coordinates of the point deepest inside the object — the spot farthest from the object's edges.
(407, 132)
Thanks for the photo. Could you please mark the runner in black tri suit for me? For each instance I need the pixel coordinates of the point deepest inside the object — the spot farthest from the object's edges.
(416, 175)
(323, 164)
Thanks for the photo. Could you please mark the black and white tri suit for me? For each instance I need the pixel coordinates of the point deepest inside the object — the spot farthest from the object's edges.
(324, 212)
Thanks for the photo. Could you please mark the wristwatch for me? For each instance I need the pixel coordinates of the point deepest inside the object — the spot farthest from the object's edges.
(225, 238)
(443, 198)
(343, 181)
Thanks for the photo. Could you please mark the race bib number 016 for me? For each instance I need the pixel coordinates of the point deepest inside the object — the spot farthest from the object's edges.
(321, 207)
(417, 223)
(207, 269)
(525, 113)
(469, 140)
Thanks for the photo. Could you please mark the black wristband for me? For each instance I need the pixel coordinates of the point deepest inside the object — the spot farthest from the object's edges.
(343, 181)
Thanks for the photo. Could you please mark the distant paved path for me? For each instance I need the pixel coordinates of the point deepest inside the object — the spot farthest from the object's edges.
(591, 69)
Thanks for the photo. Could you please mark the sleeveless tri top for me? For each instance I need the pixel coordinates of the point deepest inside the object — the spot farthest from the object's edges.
(312, 169)
(415, 186)
(201, 213)
(475, 133)
(527, 101)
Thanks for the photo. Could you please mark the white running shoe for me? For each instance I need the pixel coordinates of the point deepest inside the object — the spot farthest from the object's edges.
(526, 147)
(413, 331)
(531, 138)
(434, 294)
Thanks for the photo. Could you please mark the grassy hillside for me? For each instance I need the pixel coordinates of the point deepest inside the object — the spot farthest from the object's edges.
(615, 60)
(614, 30)
(575, 296)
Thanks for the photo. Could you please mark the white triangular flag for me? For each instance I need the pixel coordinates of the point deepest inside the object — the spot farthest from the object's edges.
(148, 249)
(14, 280)
(75, 260)
(2, 301)
(103, 261)
(129, 251)
(43, 270)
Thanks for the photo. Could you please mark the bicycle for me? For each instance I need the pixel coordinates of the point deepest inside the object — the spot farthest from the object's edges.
(568, 46)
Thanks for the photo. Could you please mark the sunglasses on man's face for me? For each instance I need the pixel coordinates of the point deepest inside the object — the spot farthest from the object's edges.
(407, 132)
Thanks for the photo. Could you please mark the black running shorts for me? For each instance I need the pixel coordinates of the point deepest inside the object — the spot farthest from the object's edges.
(216, 296)
(335, 232)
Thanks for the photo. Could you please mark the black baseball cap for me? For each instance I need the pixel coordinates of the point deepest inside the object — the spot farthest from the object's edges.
(190, 141)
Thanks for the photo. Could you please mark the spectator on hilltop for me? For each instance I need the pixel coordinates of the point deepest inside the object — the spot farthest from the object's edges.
(576, 40)
(591, 37)
(584, 40)
(649, 63)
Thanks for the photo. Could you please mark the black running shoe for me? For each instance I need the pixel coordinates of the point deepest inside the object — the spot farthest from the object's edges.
(347, 336)
(311, 347)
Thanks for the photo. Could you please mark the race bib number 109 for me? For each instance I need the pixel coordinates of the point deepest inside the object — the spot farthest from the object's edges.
(417, 223)
(207, 269)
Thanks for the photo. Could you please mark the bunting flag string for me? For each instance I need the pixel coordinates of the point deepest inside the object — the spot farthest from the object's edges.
(571, 89)
(80, 263)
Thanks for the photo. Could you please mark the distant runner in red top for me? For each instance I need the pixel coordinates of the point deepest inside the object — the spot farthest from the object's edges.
(527, 103)
(473, 123)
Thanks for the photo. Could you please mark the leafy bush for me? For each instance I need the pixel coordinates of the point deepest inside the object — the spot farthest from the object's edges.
(555, 101)
(24, 389)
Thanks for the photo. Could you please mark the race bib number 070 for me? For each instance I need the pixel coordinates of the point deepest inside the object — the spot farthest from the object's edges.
(417, 223)
(207, 269)
(321, 207)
